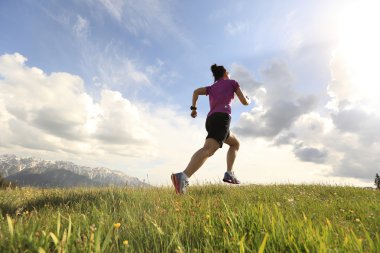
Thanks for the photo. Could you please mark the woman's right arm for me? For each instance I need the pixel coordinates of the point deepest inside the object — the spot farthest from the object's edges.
(196, 93)
(243, 99)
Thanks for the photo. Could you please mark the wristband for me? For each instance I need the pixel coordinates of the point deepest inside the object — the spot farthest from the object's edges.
(193, 108)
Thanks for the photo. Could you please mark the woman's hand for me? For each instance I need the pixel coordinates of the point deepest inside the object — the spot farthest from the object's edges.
(194, 113)
(243, 99)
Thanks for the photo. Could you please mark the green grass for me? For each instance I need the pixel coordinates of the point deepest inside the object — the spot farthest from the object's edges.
(212, 218)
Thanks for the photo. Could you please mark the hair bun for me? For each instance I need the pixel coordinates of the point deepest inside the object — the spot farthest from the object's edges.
(214, 68)
(217, 71)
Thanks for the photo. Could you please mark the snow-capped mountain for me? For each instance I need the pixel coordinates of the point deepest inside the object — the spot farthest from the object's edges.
(14, 168)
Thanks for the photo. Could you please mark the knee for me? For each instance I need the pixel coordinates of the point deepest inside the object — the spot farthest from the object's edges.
(213, 152)
(236, 145)
(210, 151)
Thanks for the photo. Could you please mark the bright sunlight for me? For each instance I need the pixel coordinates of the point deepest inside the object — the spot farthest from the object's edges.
(360, 47)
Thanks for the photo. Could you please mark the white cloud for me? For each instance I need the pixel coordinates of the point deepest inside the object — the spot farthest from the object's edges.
(341, 86)
(310, 154)
(58, 112)
(81, 27)
(39, 102)
(148, 19)
(114, 63)
(312, 128)
(345, 140)
(52, 116)
(246, 80)
(119, 121)
(354, 104)
(276, 109)
(114, 7)
(112, 69)
(237, 28)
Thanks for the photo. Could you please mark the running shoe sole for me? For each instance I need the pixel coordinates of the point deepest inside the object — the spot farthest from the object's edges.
(230, 181)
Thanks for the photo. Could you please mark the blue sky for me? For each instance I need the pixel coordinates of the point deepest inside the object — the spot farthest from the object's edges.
(185, 37)
(126, 71)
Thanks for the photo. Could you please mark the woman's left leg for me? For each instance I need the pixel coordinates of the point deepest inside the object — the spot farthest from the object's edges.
(198, 159)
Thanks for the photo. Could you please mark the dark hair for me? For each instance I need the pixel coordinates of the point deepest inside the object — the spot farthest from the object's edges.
(217, 71)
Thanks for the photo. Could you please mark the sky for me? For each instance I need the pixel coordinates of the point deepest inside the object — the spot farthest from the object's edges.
(108, 83)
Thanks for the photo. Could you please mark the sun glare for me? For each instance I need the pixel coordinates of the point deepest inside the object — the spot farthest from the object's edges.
(359, 35)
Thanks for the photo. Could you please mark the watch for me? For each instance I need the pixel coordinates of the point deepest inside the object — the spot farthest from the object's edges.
(193, 108)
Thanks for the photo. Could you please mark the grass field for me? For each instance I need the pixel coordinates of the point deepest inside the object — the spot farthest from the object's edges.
(211, 218)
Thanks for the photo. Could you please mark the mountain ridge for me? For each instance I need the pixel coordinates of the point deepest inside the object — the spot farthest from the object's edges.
(18, 169)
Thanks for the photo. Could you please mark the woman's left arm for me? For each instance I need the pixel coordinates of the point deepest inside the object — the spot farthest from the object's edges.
(243, 98)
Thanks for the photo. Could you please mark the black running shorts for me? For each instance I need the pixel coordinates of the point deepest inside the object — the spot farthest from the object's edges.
(218, 126)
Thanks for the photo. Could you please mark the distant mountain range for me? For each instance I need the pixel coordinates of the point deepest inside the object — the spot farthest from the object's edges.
(41, 173)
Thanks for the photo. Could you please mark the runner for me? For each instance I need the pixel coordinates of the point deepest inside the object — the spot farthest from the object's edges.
(221, 93)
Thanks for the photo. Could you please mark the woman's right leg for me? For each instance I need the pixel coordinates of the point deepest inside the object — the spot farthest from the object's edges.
(234, 144)
(229, 176)
(199, 157)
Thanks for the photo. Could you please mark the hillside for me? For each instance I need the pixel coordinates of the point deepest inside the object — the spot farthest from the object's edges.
(211, 218)
(50, 179)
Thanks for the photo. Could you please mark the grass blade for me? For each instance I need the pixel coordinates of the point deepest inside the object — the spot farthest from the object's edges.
(263, 243)
(54, 237)
(10, 226)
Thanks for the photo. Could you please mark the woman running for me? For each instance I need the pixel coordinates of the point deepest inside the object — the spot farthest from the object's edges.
(221, 94)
